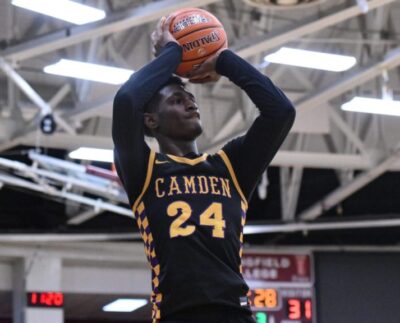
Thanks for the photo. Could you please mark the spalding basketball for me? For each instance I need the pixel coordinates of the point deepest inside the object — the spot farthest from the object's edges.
(199, 33)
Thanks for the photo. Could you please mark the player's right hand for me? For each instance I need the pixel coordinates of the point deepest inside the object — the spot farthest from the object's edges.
(161, 35)
(206, 72)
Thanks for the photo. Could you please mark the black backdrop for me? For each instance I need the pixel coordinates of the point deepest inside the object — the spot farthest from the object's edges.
(355, 287)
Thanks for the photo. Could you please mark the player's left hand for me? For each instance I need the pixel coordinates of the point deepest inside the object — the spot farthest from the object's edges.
(206, 71)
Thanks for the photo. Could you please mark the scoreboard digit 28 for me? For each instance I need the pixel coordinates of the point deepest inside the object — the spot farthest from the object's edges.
(281, 287)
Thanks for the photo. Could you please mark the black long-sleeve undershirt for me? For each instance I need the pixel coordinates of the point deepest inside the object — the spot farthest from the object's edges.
(249, 154)
(131, 152)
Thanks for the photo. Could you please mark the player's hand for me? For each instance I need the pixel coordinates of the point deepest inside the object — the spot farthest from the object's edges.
(208, 78)
(206, 72)
(161, 35)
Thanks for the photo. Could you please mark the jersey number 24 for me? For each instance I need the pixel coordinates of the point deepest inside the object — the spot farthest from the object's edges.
(212, 217)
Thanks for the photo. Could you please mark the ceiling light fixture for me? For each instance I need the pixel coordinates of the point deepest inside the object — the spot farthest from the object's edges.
(311, 59)
(89, 71)
(373, 105)
(67, 10)
(125, 305)
(95, 154)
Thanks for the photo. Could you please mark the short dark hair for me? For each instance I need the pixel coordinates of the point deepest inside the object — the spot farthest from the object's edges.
(152, 104)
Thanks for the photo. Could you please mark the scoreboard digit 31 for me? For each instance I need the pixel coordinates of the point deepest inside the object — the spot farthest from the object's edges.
(281, 287)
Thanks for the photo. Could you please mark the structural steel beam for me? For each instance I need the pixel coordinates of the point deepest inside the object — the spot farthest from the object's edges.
(252, 46)
(87, 110)
(96, 251)
(346, 190)
(83, 217)
(322, 95)
(320, 160)
(138, 16)
(44, 107)
(68, 237)
(347, 131)
(257, 45)
(24, 87)
(112, 24)
(98, 203)
(66, 141)
(298, 227)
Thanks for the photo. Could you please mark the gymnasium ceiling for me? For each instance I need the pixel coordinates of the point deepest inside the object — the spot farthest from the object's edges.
(335, 169)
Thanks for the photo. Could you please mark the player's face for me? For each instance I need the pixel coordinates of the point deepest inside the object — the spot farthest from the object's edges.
(178, 113)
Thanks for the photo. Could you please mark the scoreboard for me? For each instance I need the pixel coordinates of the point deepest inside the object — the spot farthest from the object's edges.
(45, 299)
(281, 287)
(281, 305)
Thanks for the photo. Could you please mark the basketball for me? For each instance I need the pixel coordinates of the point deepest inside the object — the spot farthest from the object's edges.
(199, 33)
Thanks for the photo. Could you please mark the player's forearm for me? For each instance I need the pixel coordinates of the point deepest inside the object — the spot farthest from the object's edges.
(137, 91)
(130, 100)
(258, 146)
(268, 98)
(144, 83)
(131, 152)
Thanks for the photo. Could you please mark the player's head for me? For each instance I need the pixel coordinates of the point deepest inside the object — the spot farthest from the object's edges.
(172, 112)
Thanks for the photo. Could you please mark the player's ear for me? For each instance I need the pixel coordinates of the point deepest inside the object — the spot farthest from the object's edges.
(151, 120)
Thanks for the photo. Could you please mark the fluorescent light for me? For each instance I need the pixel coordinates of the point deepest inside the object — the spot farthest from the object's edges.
(67, 10)
(310, 59)
(125, 305)
(371, 105)
(103, 155)
(88, 71)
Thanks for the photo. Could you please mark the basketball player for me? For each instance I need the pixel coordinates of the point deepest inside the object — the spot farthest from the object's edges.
(191, 207)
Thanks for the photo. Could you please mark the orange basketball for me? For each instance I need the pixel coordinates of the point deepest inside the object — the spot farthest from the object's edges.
(199, 33)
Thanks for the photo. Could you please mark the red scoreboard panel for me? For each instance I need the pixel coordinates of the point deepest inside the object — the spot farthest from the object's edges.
(45, 299)
(281, 287)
